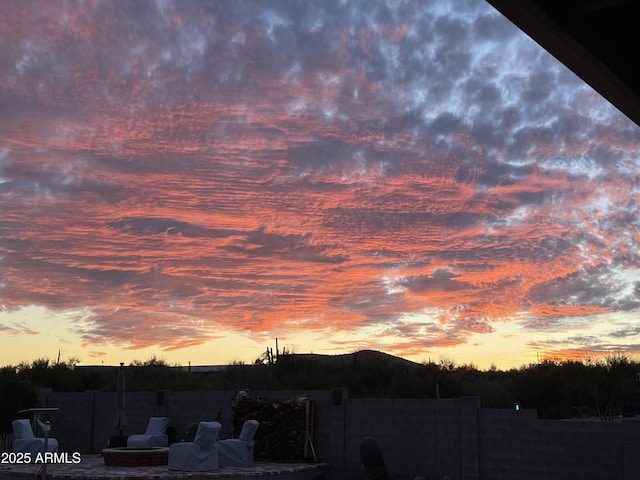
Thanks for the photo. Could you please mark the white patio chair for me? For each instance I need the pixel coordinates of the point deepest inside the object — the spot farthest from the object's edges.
(154, 436)
(201, 454)
(238, 452)
(25, 441)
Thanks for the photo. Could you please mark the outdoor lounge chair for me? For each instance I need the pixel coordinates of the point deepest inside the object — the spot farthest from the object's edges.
(154, 436)
(201, 454)
(25, 441)
(238, 452)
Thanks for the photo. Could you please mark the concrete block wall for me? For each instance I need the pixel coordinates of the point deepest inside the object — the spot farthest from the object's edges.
(427, 437)
(456, 440)
(85, 420)
(73, 423)
(185, 408)
(578, 450)
(517, 445)
(631, 449)
(500, 448)
(402, 427)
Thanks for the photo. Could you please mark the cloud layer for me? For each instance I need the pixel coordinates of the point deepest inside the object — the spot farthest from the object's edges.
(173, 170)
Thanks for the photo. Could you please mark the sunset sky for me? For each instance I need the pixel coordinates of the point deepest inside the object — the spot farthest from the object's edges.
(192, 179)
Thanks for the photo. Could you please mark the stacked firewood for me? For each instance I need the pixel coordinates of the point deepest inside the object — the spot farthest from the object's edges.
(285, 427)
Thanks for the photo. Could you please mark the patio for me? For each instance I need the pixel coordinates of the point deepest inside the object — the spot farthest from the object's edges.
(92, 467)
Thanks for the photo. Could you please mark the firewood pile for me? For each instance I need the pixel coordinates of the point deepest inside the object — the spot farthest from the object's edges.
(285, 427)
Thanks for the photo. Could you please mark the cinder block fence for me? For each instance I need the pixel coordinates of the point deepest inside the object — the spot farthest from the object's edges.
(426, 437)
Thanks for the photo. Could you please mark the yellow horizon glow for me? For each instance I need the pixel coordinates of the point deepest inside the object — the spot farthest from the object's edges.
(505, 348)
